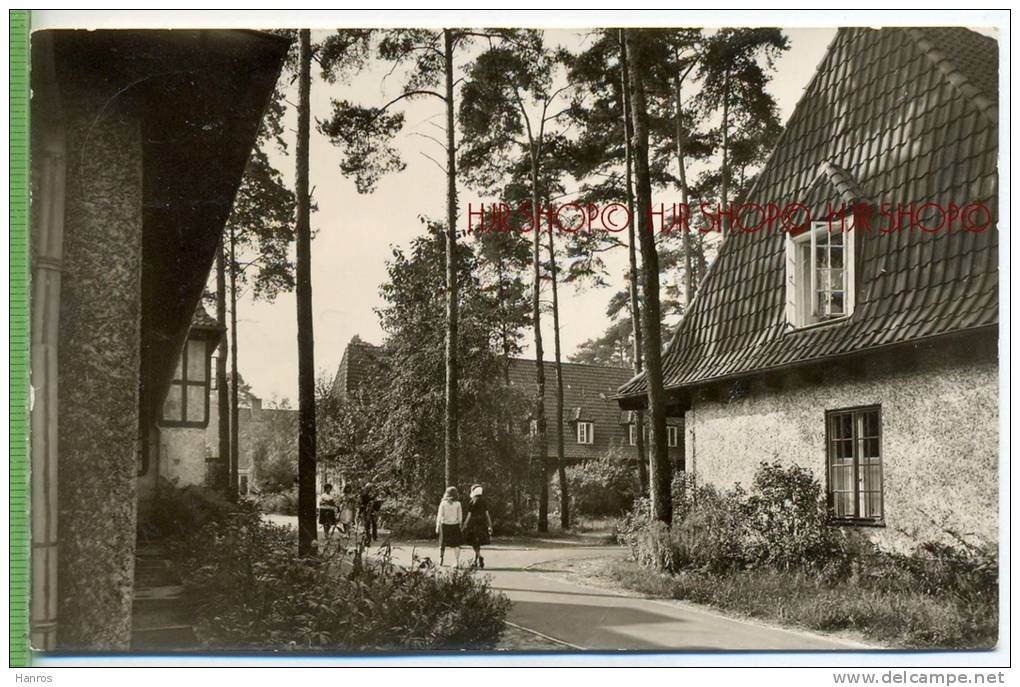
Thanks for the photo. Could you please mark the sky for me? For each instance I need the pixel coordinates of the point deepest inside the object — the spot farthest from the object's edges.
(355, 234)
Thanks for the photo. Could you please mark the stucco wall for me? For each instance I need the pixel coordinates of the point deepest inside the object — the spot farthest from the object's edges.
(182, 455)
(99, 352)
(940, 438)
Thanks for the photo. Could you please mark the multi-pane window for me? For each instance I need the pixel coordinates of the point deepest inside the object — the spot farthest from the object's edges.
(854, 439)
(187, 401)
(672, 436)
(585, 432)
(819, 274)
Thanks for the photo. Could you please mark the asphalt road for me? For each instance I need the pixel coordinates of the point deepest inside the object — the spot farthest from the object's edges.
(554, 606)
(580, 617)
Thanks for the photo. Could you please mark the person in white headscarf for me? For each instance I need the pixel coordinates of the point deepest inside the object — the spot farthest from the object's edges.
(477, 524)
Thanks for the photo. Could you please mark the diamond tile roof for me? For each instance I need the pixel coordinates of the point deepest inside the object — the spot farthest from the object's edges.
(893, 116)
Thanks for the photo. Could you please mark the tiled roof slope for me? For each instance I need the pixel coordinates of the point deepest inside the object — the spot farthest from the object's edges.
(910, 115)
(588, 394)
(203, 320)
(359, 362)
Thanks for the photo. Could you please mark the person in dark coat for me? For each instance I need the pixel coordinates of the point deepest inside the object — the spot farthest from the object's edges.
(477, 524)
(368, 510)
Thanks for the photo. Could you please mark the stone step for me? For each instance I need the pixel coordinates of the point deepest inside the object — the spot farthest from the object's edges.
(164, 638)
(158, 606)
(149, 550)
(155, 572)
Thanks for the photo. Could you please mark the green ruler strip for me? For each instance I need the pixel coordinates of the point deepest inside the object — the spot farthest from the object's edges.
(19, 364)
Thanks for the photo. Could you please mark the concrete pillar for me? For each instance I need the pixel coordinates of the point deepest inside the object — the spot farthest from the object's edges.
(99, 353)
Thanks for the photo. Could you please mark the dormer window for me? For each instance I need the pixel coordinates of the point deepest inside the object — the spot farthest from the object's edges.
(819, 274)
(585, 432)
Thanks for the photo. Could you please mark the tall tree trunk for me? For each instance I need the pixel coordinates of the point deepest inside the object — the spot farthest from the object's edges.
(635, 310)
(660, 478)
(222, 392)
(450, 466)
(504, 329)
(724, 191)
(681, 143)
(536, 314)
(234, 427)
(561, 468)
(303, 289)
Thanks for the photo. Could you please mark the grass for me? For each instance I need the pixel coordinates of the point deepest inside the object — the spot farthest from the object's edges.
(897, 618)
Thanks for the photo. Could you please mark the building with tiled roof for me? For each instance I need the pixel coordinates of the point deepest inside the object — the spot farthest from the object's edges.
(592, 422)
(867, 354)
(589, 393)
(360, 363)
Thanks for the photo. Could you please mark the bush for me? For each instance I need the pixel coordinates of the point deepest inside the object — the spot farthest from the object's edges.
(283, 503)
(176, 512)
(770, 552)
(787, 520)
(600, 487)
(248, 589)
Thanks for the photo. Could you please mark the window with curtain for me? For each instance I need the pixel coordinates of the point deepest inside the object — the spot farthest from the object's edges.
(854, 449)
(585, 432)
(819, 275)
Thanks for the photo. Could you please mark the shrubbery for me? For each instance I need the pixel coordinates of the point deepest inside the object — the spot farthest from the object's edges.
(176, 511)
(247, 589)
(769, 551)
(781, 523)
(604, 486)
(283, 503)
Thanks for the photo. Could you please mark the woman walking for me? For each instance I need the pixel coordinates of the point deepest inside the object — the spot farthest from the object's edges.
(448, 523)
(348, 509)
(477, 525)
(327, 510)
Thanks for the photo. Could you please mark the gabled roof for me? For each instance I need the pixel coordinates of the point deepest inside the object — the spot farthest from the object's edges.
(588, 395)
(203, 320)
(359, 363)
(588, 390)
(892, 115)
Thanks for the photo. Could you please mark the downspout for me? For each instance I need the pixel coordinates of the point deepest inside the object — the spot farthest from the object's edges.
(49, 176)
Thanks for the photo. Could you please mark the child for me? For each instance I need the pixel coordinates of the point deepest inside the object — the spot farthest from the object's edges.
(448, 521)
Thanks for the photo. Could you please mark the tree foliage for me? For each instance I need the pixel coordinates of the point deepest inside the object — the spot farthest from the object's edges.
(387, 432)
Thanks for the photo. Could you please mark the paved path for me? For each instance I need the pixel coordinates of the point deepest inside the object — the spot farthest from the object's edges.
(579, 617)
(587, 618)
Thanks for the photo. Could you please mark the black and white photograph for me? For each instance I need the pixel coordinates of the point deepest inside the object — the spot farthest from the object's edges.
(621, 337)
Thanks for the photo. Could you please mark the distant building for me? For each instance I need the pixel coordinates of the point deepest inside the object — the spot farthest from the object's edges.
(593, 424)
(269, 431)
(360, 363)
(178, 452)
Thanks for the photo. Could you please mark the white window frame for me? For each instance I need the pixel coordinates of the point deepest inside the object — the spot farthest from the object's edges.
(802, 310)
(585, 432)
(672, 436)
(632, 433)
